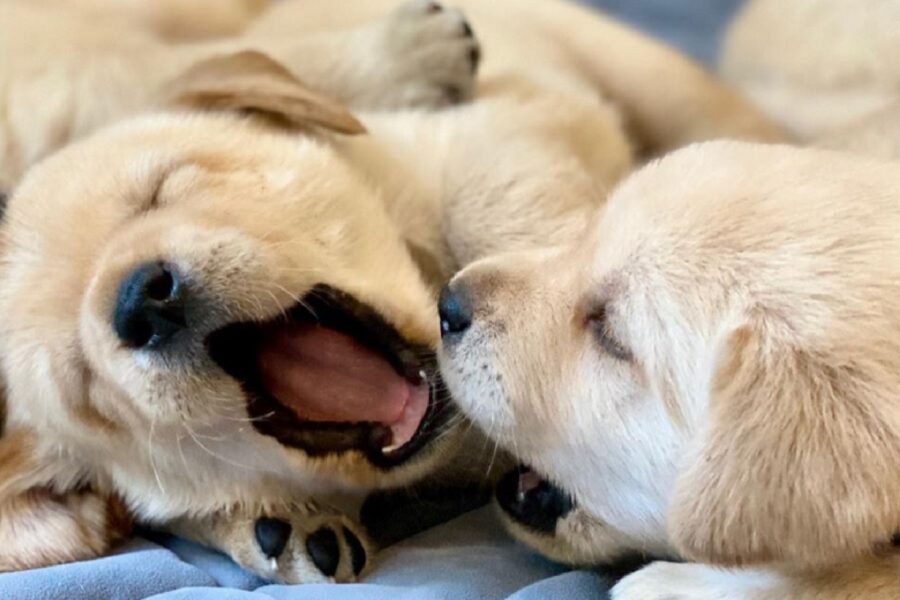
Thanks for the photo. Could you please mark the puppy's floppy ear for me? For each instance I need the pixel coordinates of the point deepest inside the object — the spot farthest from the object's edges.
(42, 525)
(251, 82)
(800, 463)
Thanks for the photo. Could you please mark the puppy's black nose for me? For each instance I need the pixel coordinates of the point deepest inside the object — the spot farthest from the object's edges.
(150, 306)
(455, 311)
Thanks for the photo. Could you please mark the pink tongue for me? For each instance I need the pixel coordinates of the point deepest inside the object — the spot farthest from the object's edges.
(323, 375)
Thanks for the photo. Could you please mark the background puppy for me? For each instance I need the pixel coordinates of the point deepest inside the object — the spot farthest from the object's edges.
(67, 71)
(824, 68)
(710, 373)
(161, 363)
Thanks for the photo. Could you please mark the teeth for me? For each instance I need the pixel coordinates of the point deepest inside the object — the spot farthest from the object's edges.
(389, 449)
(273, 564)
(422, 375)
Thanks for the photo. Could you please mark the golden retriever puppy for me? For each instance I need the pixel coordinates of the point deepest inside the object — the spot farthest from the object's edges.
(242, 319)
(709, 373)
(825, 68)
(65, 71)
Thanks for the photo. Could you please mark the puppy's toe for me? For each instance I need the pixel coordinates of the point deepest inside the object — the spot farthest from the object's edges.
(434, 53)
(324, 550)
(358, 555)
(272, 535)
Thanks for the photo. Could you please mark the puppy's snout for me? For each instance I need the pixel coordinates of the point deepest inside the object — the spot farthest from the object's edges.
(150, 306)
(455, 310)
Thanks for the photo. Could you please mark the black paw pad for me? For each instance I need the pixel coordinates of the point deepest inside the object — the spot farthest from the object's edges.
(357, 552)
(272, 535)
(324, 550)
(467, 29)
(532, 501)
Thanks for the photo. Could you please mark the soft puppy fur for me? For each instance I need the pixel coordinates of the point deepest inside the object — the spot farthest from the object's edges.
(224, 228)
(823, 68)
(710, 373)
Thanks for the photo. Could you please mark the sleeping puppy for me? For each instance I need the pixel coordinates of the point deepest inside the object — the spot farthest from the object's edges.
(824, 68)
(710, 373)
(243, 318)
(67, 70)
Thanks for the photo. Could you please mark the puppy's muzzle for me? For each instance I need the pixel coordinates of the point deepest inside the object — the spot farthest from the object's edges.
(150, 306)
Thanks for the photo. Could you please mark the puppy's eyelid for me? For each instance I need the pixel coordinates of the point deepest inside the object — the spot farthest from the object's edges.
(157, 188)
(598, 322)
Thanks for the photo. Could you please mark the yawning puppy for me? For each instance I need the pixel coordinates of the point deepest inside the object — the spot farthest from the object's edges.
(710, 373)
(217, 318)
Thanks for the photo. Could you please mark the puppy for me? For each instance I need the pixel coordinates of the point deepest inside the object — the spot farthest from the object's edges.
(67, 71)
(709, 374)
(243, 318)
(824, 68)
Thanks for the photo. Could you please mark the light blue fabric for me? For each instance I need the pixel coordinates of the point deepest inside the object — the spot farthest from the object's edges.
(467, 559)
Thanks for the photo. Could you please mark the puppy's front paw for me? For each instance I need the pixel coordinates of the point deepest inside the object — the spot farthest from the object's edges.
(690, 581)
(305, 545)
(430, 56)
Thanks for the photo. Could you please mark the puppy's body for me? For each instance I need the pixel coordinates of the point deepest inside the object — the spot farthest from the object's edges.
(67, 70)
(824, 68)
(243, 224)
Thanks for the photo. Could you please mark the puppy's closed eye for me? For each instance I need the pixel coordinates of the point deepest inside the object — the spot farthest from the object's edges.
(3, 200)
(598, 324)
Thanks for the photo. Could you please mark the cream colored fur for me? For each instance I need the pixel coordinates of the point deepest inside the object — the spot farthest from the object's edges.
(259, 215)
(824, 68)
(750, 418)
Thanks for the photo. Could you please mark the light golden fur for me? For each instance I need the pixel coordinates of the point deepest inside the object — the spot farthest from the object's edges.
(259, 215)
(752, 420)
(824, 68)
(752, 425)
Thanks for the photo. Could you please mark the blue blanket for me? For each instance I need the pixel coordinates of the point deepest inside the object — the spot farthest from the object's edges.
(467, 559)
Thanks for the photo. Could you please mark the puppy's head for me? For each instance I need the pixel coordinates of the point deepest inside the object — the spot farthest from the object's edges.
(713, 369)
(201, 305)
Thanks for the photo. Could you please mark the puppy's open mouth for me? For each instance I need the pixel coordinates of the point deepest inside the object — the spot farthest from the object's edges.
(532, 501)
(331, 376)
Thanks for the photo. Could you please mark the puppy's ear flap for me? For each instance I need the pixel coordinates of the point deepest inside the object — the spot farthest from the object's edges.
(251, 82)
(43, 525)
(800, 464)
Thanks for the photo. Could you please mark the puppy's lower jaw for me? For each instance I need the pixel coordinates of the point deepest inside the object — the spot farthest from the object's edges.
(532, 501)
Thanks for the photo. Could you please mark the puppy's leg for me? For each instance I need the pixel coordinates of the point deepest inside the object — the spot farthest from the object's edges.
(302, 543)
(42, 525)
(39, 528)
(420, 55)
(872, 579)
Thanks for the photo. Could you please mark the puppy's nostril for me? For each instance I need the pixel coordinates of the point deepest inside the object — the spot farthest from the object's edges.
(150, 306)
(161, 287)
(455, 311)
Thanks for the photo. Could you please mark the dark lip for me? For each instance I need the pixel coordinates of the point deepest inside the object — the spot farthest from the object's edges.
(234, 347)
(540, 508)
